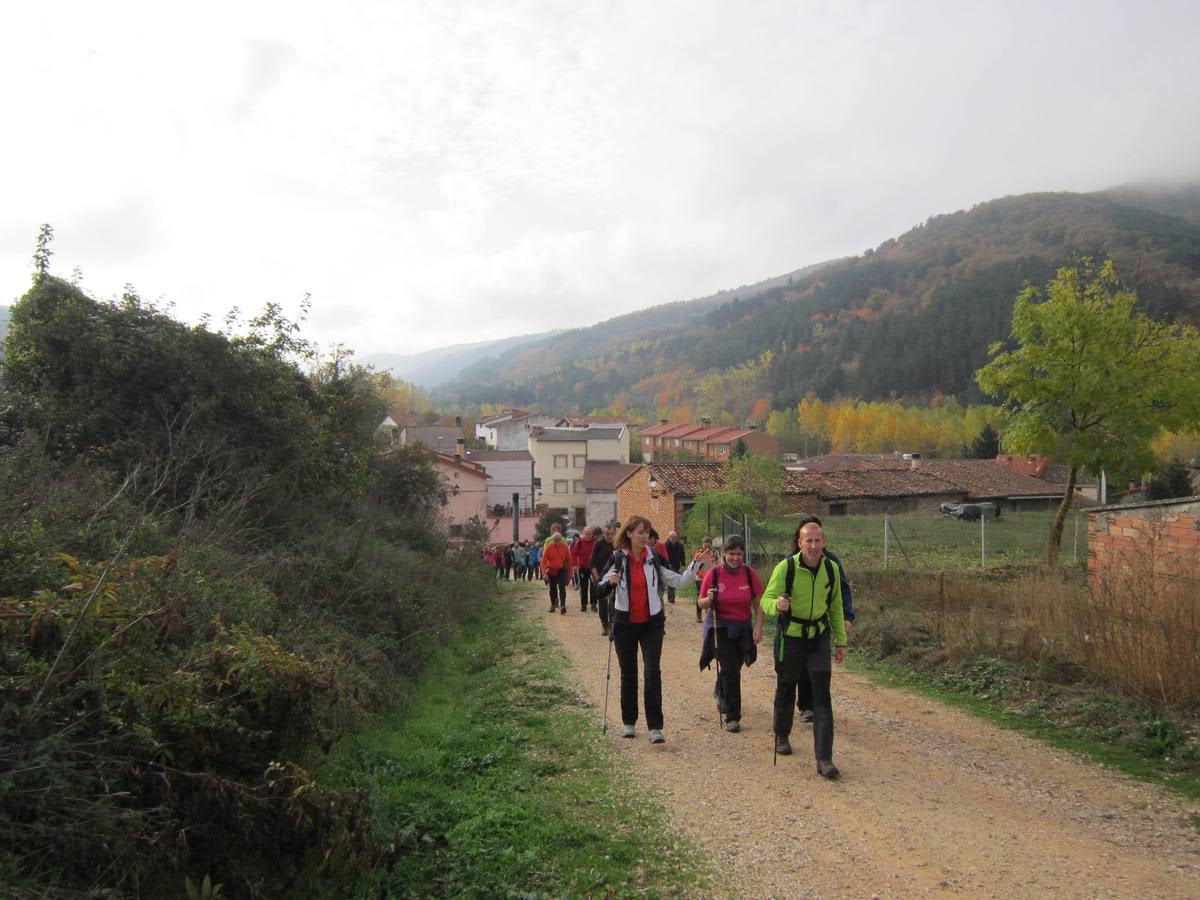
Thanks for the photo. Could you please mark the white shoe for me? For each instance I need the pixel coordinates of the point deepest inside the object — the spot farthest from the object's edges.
(627, 731)
(656, 736)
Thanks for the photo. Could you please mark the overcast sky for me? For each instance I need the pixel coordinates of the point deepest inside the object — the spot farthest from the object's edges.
(440, 172)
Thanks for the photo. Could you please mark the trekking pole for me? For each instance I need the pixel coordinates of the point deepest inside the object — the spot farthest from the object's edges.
(712, 606)
(607, 682)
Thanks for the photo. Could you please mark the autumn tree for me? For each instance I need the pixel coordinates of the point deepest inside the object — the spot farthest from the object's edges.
(1090, 380)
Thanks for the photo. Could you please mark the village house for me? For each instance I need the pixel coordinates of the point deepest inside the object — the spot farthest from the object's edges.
(510, 429)
(666, 440)
(560, 458)
(466, 490)
(511, 473)
(600, 480)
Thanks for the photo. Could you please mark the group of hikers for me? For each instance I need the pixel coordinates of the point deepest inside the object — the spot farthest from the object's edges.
(626, 575)
(518, 561)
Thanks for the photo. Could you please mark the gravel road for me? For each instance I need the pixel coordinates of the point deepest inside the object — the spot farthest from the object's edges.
(931, 800)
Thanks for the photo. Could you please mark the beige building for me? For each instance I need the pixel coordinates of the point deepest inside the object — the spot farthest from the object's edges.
(560, 458)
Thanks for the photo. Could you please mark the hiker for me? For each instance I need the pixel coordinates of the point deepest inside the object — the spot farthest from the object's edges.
(805, 593)
(804, 694)
(733, 626)
(499, 557)
(707, 558)
(602, 551)
(533, 565)
(581, 560)
(518, 550)
(674, 551)
(556, 566)
(635, 578)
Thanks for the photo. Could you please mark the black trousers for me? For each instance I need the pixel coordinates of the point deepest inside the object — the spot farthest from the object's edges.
(627, 638)
(558, 587)
(811, 657)
(585, 585)
(731, 658)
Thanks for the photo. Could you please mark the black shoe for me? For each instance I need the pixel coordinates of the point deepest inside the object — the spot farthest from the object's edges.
(806, 716)
(604, 629)
(670, 599)
(593, 607)
(563, 609)
(553, 607)
(782, 745)
(826, 769)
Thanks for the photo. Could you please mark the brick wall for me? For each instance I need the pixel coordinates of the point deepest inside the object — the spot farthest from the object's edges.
(1167, 532)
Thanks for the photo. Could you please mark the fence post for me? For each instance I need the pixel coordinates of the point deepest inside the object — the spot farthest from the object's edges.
(941, 608)
(886, 530)
(983, 539)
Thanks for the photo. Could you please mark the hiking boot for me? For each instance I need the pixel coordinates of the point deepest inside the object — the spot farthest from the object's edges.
(553, 607)
(733, 726)
(627, 731)
(782, 745)
(604, 629)
(593, 607)
(826, 769)
(806, 716)
(563, 609)
(656, 736)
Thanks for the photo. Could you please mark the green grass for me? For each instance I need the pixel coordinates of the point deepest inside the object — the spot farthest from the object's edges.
(928, 540)
(492, 779)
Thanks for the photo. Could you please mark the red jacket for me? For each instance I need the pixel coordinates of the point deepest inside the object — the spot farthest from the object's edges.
(581, 553)
(556, 555)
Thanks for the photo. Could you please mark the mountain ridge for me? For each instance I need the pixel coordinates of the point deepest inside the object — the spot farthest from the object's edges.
(910, 319)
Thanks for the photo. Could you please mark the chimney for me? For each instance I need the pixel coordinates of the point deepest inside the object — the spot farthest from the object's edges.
(662, 421)
(706, 421)
(460, 447)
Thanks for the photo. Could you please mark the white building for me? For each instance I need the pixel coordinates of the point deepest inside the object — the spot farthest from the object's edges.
(510, 430)
(511, 473)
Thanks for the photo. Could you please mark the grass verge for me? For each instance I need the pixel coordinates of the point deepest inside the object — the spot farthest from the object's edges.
(492, 779)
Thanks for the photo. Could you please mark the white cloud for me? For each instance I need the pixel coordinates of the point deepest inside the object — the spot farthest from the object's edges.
(454, 171)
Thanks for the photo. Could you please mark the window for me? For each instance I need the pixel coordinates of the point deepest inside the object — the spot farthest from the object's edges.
(723, 449)
(646, 441)
(837, 509)
(560, 460)
(579, 486)
(562, 486)
(580, 460)
(675, 443)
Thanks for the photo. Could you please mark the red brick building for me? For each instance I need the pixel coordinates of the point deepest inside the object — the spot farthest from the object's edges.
(1164, 532)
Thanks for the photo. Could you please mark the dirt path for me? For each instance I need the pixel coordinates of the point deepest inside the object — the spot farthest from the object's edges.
(931, 800)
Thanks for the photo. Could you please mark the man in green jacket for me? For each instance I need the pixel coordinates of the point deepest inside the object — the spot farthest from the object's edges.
(809, 628)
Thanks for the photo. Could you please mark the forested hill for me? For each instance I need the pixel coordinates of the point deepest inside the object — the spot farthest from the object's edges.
(908, 320)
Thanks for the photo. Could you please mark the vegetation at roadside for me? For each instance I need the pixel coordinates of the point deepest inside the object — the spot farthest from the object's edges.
(207, 576)
(491, 780)
(1109, 667)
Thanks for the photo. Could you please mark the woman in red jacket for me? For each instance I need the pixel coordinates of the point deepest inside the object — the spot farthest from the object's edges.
(556, 566)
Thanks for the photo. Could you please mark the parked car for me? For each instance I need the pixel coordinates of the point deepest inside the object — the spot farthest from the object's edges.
(970, 512)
